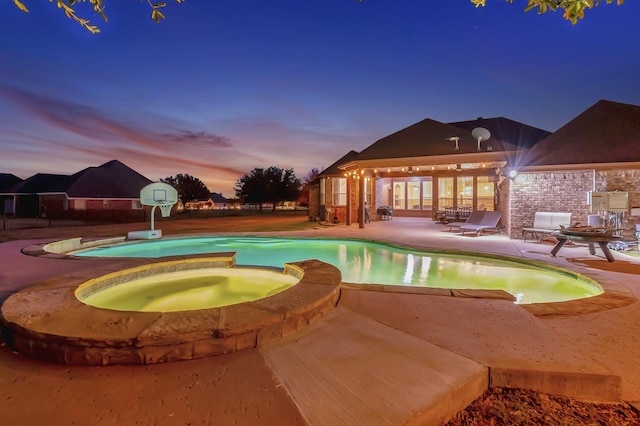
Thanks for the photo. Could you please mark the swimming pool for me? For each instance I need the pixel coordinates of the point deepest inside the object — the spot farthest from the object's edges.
(377, 263)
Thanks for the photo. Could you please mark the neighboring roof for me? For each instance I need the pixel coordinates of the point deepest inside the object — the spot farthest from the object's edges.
(607, 132)
(506, 130)
(334, 169)
(38, 183)
(110, 180)
(428, 138)
(218, 198)
(7, 180)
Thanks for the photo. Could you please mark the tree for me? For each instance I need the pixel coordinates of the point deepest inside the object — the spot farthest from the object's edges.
(189, 188)
(98, 7)
(272, 185)
(573, 9)
(304, 193)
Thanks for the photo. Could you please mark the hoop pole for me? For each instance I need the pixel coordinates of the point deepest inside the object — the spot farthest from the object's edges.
(153, 211)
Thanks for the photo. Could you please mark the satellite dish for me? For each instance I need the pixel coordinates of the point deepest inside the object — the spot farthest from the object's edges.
(480, 134)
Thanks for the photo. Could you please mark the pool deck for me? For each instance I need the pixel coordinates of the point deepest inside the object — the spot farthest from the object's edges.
(379, 358)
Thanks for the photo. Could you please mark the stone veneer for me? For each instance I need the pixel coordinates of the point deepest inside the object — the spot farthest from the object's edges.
(48, 322)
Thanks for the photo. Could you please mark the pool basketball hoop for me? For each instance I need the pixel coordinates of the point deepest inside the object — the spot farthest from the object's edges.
(158, 194)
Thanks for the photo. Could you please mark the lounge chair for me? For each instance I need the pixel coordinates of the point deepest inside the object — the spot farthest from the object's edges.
(489, 221)
(474, 219)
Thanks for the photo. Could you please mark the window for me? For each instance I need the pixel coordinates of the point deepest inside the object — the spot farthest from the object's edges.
(413, 195)
(485, 190)
(445, 192)
(427, 195)
(465, 191)
(368, 185)
(339, 188)
(398, 196)
(323, 191)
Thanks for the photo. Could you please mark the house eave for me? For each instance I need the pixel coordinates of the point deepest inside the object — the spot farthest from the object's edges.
(584, 166)
(498, 157)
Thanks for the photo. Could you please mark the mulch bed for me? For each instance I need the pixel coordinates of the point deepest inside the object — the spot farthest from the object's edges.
(504, 406)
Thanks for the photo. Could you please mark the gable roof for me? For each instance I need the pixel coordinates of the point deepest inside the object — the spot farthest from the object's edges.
(506, 130)
(7, 180)
(607, 132)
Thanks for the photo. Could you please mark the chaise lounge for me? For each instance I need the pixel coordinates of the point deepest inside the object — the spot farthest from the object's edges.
(473, 219)
(489, 221)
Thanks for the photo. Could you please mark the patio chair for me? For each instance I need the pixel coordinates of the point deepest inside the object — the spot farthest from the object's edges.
(464, 212)
(489, 221)
(474, 218)
(450, 214)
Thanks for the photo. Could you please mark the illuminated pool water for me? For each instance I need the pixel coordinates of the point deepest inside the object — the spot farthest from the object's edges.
(376, 263)
(189, 290)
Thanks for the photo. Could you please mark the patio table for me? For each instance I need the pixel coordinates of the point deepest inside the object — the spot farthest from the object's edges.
(599, 238)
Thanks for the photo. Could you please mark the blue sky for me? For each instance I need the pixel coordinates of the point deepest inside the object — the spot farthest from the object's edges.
(223, 86)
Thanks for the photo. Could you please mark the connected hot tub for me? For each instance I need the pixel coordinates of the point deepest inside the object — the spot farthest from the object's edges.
(205, 306)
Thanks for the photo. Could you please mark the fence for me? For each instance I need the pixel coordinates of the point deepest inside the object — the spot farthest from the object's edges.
(101, 217)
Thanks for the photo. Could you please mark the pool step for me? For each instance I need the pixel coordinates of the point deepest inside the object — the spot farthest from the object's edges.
(349, 369)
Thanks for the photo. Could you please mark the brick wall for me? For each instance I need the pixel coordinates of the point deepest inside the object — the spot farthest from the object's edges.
(565, 192)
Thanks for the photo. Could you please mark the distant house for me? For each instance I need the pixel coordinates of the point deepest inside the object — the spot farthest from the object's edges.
(111, 186)
(7, 180)
(215, 201)
(430, 166)
(218, 201)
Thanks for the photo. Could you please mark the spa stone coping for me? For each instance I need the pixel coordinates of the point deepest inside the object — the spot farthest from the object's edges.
(48, 322)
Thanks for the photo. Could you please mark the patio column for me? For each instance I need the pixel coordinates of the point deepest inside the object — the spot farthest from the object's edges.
(361, 200)
(348, 212)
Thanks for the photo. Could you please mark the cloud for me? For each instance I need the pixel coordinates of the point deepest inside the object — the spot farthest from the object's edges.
(89, 122)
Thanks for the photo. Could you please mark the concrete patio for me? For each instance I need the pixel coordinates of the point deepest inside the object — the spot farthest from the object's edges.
(381, 357)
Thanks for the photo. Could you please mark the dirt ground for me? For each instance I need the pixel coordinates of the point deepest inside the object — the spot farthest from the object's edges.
(503, 406)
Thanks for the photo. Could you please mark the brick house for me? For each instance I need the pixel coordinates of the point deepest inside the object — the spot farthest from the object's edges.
(430, 165)
(110, 189)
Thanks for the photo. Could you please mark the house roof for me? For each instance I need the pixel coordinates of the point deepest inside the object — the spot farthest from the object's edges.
(335, 169)
(218, 198)
(7, 180)
(39, 183)
(507, 130)
(428, 138)
(607, 132)
(110, 180)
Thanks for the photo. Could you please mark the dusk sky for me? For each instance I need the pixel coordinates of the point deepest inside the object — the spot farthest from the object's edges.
(221, 87)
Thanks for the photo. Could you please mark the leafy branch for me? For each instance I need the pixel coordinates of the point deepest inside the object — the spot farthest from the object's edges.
(573, 9)
(98, 7)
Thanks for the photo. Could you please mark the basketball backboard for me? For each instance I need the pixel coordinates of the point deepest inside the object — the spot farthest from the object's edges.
(158, 193)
